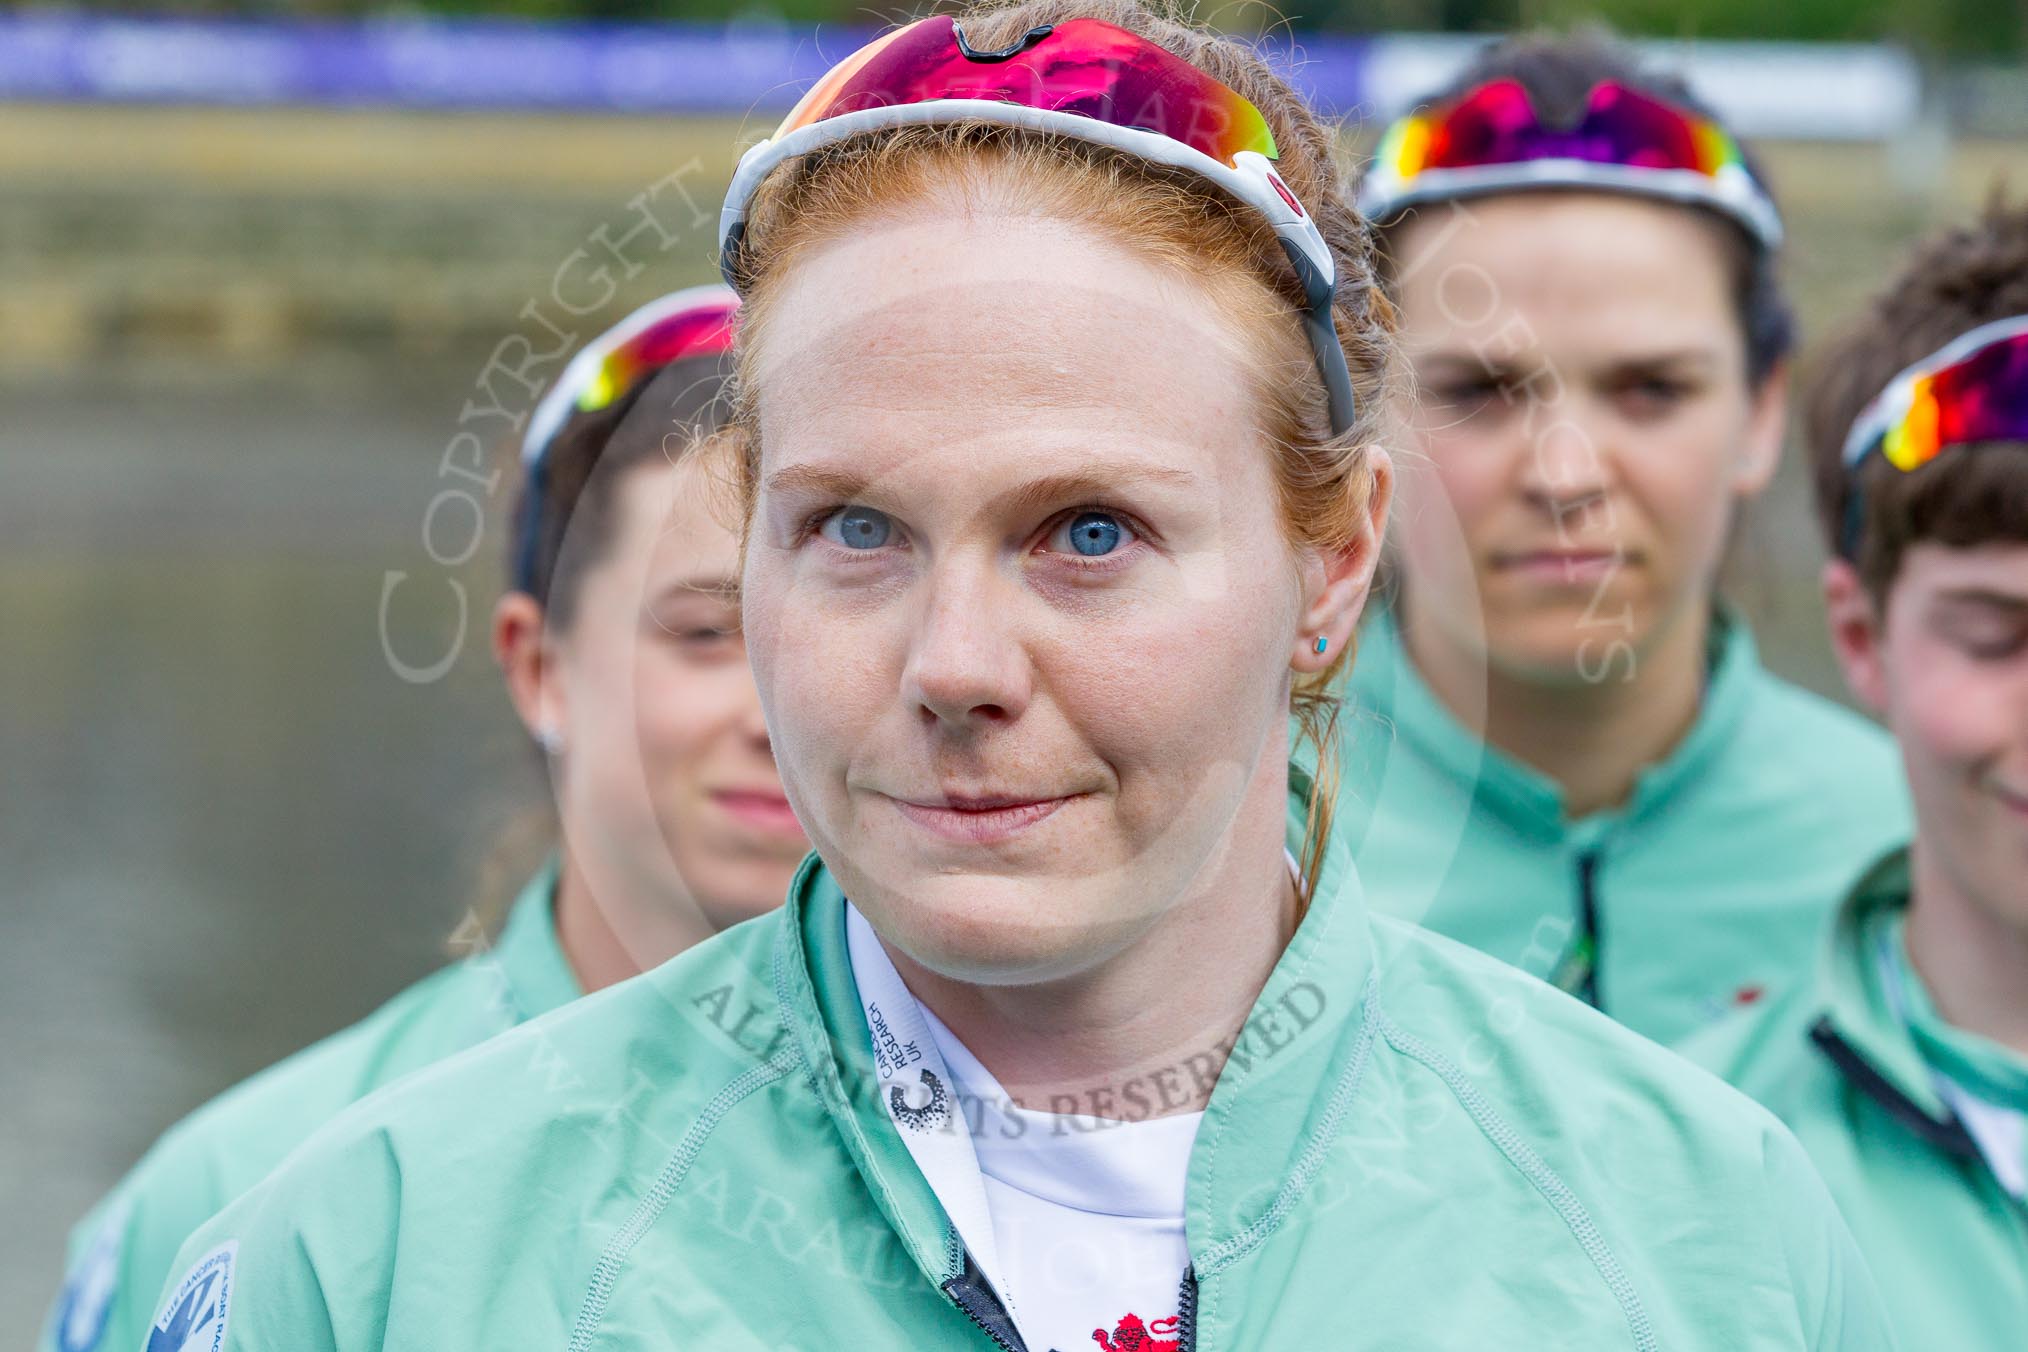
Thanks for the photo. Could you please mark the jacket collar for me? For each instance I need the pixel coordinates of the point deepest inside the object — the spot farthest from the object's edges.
(1270, 1117)
(529, 954)
(1856, 1024)
(819, 999)
(1387, 682)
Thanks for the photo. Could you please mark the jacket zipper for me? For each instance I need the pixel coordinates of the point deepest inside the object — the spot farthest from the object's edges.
(1587, 926)
(970, 1292)
(1950, 1135)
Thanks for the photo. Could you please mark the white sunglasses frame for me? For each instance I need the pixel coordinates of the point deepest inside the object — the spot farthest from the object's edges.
(1250, 178)
(555, 407)
(1383, 194)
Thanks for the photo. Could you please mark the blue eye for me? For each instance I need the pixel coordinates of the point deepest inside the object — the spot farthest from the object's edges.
(1094, 534)
(858, 528)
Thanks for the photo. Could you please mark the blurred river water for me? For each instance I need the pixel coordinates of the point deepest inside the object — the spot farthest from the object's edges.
(227, 827)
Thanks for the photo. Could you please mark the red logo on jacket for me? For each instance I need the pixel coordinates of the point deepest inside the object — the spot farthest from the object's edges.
(1131, 1335)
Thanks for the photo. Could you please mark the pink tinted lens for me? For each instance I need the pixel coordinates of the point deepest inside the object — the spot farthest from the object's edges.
(1497, 124)
(1085, 67)
(700, 331)
(1985, 396)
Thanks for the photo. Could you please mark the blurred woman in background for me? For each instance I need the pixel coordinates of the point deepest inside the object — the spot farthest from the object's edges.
(1575, 760)
(620, 642)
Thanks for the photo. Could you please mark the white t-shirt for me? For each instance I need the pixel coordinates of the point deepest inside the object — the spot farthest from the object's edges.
(1087, 1212)
(2000, 1132)
(1082, 1216)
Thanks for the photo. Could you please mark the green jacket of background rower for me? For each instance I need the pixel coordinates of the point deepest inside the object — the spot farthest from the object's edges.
(1707, 889)
(122, 1252)
(1948, 1246)
(1410, 1146)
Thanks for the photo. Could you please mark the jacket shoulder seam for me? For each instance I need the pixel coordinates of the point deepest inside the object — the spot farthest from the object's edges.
(1307, 1164)
(591, 1313)
(1536, 1170)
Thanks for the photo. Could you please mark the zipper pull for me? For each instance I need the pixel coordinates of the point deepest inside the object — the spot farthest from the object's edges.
(972, 1293)
(1576, 972)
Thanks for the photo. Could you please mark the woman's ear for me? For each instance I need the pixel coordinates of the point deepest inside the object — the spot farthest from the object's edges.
(1767, 424)
(1336, 585)
(521, 647)
(1855, 634)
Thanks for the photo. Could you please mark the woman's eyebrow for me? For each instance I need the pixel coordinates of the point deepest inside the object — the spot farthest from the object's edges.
(1094, 482)
(817, 481)
(723, 587)
(1677, 361)
(1452, 365)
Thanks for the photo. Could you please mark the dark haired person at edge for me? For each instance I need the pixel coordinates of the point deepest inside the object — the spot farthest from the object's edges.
(1062, 370)
(622, 650)
(1569, 755)
(1903, 1064)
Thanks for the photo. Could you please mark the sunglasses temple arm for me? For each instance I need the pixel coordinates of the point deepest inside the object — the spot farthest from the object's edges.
(1331, 365)
(1323, 335)
(728, 253)
(1854, 524)
(531, 517)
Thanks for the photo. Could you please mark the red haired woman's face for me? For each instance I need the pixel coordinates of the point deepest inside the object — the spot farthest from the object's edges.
(1017, 594)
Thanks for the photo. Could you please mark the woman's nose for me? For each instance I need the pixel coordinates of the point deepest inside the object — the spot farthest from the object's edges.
(967, 667)
(1566, 465)
(753, 723)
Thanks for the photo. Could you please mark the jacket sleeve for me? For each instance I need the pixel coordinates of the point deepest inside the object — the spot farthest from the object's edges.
(121, 1253)
(1837, 1306)
(84, 1316)
(302, 1263)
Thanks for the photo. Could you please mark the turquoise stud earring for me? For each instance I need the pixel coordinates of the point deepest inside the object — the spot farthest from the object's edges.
(1322, 643)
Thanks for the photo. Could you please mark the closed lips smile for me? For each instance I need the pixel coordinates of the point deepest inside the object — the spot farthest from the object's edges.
(981, 820)
(1558, 558)
(760, 809)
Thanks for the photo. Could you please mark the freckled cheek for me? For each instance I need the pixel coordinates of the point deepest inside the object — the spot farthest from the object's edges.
(769, 619)
(1156, 695)
(826, 677)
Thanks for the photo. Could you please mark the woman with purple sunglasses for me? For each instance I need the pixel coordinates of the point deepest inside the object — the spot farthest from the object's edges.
(1575, 761)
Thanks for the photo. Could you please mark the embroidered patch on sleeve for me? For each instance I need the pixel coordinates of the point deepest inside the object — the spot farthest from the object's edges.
(88, 1291)
(193, 1318)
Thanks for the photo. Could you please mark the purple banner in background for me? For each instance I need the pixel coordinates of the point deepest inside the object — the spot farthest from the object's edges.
(732, 68)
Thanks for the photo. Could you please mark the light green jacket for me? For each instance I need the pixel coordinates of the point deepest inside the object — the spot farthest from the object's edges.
(1707, 889)
(1947, 1244)
(1410, 1146)
(121, 1253)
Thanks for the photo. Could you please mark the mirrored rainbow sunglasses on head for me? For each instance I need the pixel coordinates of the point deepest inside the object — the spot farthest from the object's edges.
(1082, 79)
(1491, 139)
(1973, 389)
(696, 322)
